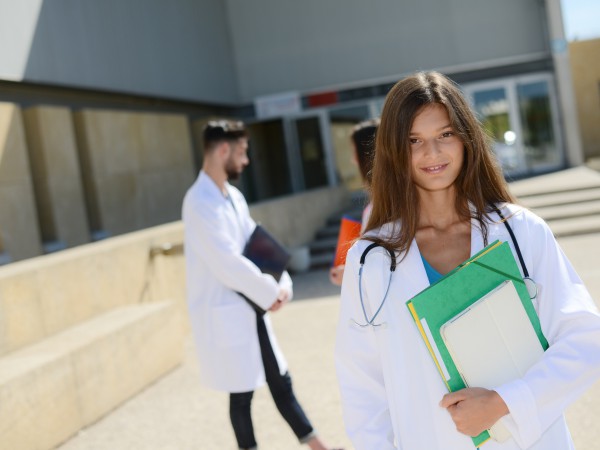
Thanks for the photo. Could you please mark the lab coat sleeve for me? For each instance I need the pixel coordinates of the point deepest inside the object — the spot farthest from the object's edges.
(224, 259)
(286, 283)
(571, 324)
(359, 369)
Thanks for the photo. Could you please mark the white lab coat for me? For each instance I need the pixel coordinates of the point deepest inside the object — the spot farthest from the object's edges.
(390, 386)
(223, 324)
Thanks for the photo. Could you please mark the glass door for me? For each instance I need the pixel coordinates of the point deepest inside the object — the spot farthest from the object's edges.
(310, 151)
(538, 122)
(495, 106)
(520, 115)
(287, 155)
(268, 174)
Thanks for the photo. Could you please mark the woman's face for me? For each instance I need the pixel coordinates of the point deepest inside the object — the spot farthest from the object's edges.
(437, 153)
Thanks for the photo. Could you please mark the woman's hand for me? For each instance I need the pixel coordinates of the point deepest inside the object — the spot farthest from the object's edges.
(474, 410)
(336, 275)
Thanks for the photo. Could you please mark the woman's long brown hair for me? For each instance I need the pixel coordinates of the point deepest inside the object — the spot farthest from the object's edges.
(480, 183)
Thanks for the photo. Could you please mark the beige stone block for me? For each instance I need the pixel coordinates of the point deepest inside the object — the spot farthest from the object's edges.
(19, 234)
(120, 152)
(42, 296)
(51, 390)
(14, 164)
(21, 320)
(110, 140)
(162, 194)
(56, 174)
(65, 297)
(143, 343)
(92, 281)
(165, 142)
(119, 201)
(38, 400)
(585, 68)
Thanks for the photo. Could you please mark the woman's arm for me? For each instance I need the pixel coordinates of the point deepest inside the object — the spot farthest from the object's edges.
(571, 324)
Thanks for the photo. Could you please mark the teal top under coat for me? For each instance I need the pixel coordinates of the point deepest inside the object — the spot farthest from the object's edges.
(432, 274)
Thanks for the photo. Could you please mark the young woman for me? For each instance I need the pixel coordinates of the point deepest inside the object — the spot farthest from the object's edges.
(435, 187)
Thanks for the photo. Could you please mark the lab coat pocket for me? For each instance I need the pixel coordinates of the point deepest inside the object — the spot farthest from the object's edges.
(231, 324)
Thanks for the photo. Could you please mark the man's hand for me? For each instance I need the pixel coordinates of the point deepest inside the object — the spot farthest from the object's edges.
(474, 410)
(282, 298)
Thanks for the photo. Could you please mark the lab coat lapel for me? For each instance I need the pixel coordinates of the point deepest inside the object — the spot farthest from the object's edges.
(233, 224)
(234, 211)
(476, 237)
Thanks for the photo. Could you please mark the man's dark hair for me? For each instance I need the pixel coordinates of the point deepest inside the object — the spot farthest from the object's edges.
(363, 136)
(222, 130)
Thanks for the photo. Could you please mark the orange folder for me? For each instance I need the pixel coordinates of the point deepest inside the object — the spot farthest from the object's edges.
(349, 232)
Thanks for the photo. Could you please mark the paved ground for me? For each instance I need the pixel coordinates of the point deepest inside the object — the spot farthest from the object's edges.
(178, 414)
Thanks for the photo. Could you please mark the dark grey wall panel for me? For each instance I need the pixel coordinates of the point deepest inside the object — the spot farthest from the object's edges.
(230, 51)
(311, 44)
(175, 48)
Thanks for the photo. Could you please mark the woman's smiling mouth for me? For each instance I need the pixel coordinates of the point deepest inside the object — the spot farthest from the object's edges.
(434, 169)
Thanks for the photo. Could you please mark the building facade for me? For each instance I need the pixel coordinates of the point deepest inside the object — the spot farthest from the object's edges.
(130, 83)
(585, 62)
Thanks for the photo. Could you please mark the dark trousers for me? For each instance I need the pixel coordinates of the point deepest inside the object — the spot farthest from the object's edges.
(281, 390)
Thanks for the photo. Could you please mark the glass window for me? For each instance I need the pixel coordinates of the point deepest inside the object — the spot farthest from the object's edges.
(539, 140)
(268, 174)
(519, 113)
(493, 108)
(311, 152)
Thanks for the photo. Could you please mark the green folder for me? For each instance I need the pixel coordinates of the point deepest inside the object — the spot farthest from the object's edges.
(458, 290)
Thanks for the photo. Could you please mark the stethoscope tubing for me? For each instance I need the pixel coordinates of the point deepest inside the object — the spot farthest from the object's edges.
(529, 282)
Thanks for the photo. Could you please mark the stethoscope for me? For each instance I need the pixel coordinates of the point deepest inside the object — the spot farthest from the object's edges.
(529, 283)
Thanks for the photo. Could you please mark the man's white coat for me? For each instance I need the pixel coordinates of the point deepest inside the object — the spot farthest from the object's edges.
(223, 324)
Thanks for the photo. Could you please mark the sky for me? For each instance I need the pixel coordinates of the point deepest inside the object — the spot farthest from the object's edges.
(581, 19)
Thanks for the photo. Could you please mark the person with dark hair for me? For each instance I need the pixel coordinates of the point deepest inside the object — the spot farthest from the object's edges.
(363, 145)
(363, 142)
(236, 345)
(439, 197)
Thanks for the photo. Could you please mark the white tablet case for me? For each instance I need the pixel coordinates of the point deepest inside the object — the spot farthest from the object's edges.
(493, 342)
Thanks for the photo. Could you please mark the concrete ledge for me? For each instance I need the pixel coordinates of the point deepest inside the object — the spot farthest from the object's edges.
(48, 294)
(52, 389)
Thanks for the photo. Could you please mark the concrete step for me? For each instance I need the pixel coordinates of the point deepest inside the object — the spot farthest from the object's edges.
(566, 211)
(323, 259)
(575, 226)
(576, 178)
(52, 389)
(321, 245)
(561, 198)
(355, 214)
(329, 231)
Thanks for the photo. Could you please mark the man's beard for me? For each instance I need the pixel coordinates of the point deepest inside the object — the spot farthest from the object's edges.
(232, 173)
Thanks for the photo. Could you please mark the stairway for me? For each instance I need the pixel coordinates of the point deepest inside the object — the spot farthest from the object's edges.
(569, 200)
